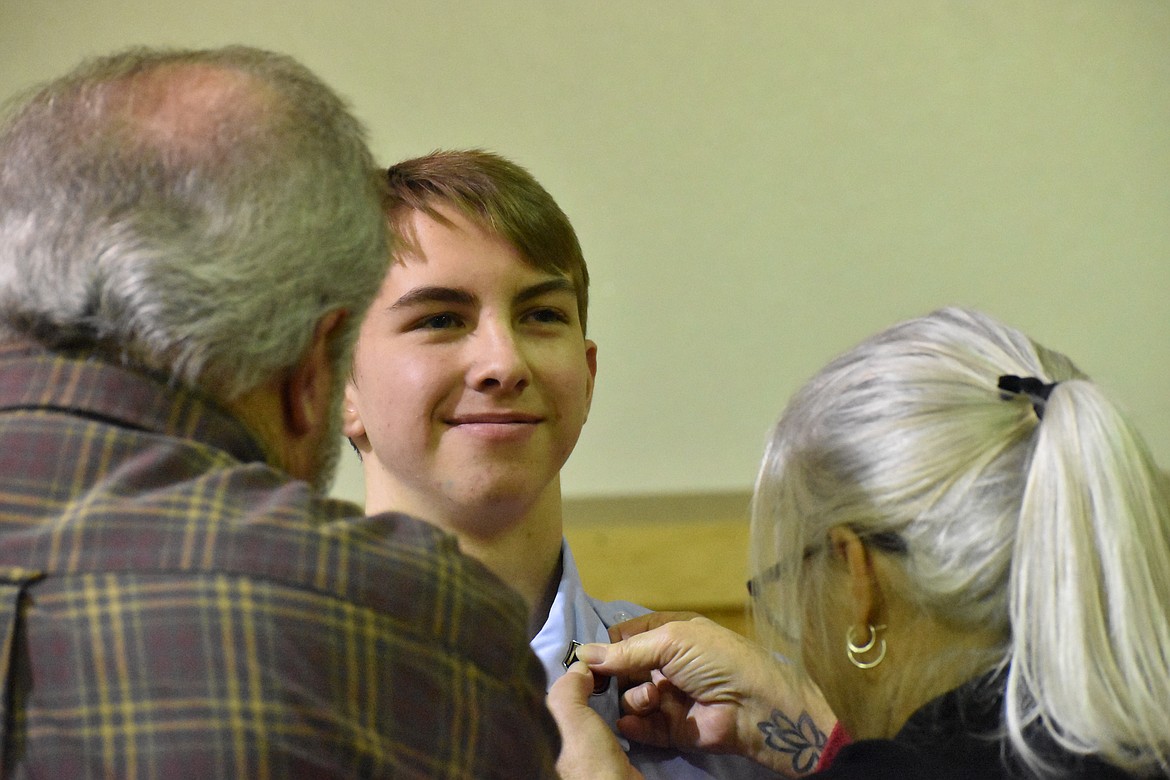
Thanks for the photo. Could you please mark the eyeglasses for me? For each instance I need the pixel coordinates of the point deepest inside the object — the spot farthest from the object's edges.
(886, 541)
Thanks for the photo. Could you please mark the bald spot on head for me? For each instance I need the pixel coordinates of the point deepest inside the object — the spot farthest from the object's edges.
(183, 107)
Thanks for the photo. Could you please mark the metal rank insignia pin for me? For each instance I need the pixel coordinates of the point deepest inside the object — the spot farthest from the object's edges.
(600, 681)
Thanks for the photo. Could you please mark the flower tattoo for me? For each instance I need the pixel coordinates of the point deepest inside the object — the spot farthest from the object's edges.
(802, 739)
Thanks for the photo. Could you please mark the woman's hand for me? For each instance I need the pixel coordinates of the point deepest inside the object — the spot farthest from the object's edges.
(711, 689)
(589, 750)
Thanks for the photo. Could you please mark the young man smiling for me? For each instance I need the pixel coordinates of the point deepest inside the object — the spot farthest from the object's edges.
(472, 379)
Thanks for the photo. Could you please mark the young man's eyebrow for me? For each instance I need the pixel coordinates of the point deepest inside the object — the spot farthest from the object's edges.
(559, 284)
(425, 295)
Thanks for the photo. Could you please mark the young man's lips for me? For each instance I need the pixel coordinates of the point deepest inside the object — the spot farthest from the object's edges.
(495, 418)
(502, 428)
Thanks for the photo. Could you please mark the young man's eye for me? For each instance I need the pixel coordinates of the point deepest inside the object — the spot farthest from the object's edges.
(547, 316)
(439, 322)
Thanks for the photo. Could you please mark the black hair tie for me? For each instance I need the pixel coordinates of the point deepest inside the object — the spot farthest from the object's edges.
(1030, 386)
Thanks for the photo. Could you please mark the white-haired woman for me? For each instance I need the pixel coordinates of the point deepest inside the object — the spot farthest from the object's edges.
(964, 545)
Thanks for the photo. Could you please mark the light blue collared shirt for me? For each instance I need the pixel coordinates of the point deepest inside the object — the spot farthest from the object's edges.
(575, 615)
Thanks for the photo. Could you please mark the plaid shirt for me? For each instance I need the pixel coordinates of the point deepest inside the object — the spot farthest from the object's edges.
(171, 606)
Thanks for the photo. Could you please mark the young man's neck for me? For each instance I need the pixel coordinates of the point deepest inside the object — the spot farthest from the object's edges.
(524, 556)
(522, 548)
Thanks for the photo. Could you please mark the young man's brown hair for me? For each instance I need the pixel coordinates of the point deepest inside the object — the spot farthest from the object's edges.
(499, 196)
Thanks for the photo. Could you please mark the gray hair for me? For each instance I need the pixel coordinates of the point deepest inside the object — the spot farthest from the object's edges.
(197, 233)
(1053, 533)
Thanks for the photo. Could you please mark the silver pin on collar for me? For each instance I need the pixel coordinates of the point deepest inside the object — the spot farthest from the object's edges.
(600, 681)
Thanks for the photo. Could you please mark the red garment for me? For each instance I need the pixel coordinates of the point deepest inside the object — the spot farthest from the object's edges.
(838, 739)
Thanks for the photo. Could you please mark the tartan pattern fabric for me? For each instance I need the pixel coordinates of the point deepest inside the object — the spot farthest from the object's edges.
(181, 609)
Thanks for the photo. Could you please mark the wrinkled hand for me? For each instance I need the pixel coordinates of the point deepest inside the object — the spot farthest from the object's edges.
(711, 689)
(589, 750)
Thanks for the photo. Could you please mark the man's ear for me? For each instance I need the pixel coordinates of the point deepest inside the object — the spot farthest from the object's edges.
(351, 420)
(864, 588)
(591, 364)
(308, 385)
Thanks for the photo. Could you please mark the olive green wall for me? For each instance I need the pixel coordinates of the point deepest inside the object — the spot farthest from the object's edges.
(758, 185)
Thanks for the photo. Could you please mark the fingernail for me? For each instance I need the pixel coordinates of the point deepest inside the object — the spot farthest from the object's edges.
(591, 654)
(578, 667)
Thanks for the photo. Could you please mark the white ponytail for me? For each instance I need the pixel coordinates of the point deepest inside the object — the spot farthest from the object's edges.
(1090, 590)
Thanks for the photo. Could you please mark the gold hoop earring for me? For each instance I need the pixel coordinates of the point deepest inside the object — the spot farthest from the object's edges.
(853, 650)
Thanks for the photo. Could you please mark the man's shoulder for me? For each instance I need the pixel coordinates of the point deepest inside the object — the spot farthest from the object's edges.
(398, 562)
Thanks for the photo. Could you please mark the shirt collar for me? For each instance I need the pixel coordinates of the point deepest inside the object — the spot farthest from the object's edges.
(570, 618)
(573, 617)
(32, 377)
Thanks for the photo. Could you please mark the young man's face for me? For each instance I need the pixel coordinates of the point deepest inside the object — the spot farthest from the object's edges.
(472, 377)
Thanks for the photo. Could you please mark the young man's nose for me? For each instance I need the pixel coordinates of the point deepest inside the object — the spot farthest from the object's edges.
(499, 362)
